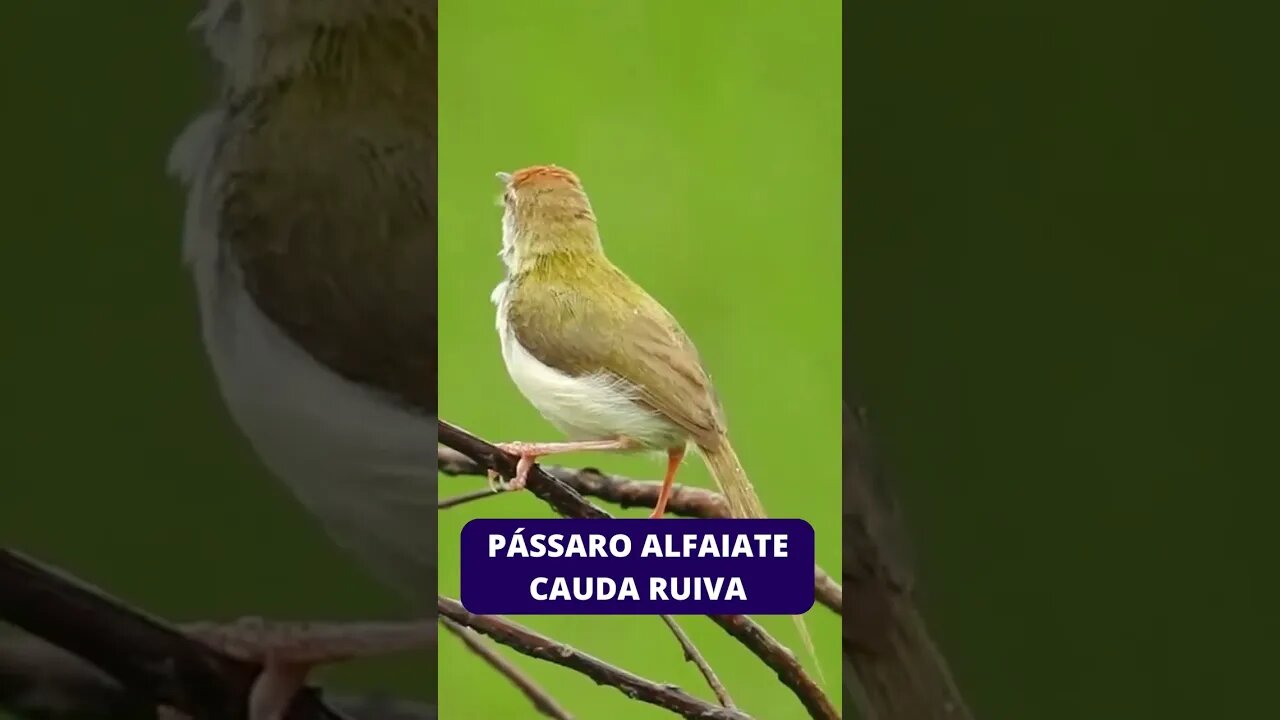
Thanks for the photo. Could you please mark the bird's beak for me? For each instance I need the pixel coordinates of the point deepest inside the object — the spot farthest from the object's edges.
(505, 178)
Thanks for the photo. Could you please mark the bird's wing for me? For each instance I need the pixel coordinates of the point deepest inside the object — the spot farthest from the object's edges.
(627, 334)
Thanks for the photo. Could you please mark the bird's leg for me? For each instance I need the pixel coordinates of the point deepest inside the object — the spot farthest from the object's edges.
(288, 652)
(529, 452)
(674, 456)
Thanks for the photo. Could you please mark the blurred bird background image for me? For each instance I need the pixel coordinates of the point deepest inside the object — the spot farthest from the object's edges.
(707, 136)
(164, 503)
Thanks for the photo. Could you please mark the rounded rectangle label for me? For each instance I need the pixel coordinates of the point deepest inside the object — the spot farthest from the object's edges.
(637, 567)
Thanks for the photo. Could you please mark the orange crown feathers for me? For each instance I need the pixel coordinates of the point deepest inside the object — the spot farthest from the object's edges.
(544, 176)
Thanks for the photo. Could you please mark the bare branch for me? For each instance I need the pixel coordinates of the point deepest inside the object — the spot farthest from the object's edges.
(686, 501)
(828, 591)
(534, 644)
(445, 503)
(692, 655)
(39, 680)
(542, 702)
(380, 707)
(568, 502)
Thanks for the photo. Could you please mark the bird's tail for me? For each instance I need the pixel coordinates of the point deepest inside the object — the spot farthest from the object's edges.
(743, 502)
(727, 471)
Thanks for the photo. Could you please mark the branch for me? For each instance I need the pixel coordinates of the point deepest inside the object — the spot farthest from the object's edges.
(534, 644)
(146, 656)
(900, 672)
(692, 655)
(542, 702)
(686, 501)
(569, 503)
(381, 707)
(39, 680)
(92, 657)
(446, 503)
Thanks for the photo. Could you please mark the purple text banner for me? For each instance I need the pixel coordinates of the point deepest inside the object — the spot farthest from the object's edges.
(637, 567)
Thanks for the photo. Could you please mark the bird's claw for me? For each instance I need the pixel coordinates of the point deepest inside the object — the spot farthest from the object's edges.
(498, 484)
(523, 465)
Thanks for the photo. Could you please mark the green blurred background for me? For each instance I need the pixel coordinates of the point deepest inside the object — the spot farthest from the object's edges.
(1061, 277)
(708, 137)
(119, 463)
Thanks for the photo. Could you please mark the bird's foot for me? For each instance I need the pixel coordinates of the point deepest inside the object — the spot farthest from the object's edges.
(497, 484)
(287, 652)
(528, 453)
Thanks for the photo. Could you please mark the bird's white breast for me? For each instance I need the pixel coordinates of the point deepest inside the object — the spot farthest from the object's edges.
(363, 464)
(593, 407)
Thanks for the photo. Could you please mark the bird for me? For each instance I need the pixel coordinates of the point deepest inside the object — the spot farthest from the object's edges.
(596, 355)
(310, 236)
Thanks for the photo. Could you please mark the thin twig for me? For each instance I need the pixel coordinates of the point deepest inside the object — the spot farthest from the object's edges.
(692, 655)
(568, 502)
(445, 503)
(828, 591)
(686, 501)
(537, 645)
(542, 702)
